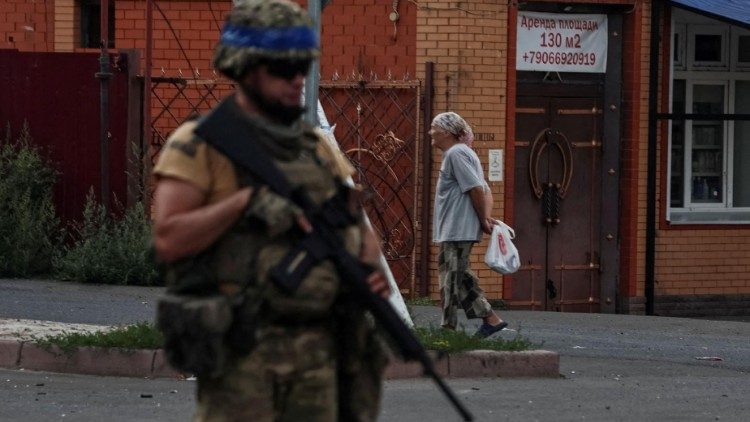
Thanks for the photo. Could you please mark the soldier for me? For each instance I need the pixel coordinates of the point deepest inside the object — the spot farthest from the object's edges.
(295, 357)
(463, 207)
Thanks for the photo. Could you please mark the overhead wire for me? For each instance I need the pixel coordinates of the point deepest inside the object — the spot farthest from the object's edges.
(213, 15)
(467, 11)
(177, 39)
(194, 71)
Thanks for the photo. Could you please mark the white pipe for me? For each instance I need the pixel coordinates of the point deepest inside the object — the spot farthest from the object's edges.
(396, 299)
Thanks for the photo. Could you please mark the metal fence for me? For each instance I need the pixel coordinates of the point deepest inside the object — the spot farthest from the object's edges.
(376, 126)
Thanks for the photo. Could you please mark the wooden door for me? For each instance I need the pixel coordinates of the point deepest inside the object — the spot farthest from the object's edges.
(557, 202)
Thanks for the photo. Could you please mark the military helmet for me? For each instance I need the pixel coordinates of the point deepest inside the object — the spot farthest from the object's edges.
(262, 30)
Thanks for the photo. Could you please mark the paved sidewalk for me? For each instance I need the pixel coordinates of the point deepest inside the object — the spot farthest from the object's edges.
(54, 305)
(73, 307)
(30, 329)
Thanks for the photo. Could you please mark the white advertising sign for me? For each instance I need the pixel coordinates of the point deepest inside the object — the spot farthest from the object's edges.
(555, 42)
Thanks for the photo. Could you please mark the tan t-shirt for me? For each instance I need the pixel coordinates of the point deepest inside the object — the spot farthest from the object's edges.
(189, 158)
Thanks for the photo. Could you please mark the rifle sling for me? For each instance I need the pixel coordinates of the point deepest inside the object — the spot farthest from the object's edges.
(225, 129)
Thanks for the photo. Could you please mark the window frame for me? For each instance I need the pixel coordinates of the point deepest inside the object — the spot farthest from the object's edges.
(727, 74)
(680, 29)
(84, 18)
(687, 169)
(694, 29)
(735, 49)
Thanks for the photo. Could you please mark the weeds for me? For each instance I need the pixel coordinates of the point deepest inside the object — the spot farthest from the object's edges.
(145, 335)
(108, 250)
(458, 341)
(29, 228)
(420, 301)
(130, 337)
(102, 248)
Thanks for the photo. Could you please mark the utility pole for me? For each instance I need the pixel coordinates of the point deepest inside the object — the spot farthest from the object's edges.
(104, 75)
(147, 132)
(312, 80)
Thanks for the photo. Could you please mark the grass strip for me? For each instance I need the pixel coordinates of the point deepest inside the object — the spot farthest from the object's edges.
(419, 301)
(145, 335)
(137, 336)
(459, 341)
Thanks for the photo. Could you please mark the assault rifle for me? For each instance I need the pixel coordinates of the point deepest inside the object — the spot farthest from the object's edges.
(227, 130)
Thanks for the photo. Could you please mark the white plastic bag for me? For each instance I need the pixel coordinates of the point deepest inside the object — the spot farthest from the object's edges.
(502, 255)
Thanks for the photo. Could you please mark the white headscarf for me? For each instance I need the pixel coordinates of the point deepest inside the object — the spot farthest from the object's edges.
(455, 125)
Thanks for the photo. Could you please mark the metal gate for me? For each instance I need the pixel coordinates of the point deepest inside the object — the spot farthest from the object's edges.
(375, 125)
(64, 119)
(175, 99)
(558, 201)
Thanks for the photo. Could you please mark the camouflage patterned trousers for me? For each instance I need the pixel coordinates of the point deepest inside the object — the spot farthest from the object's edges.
(458, 284)
(289, 376)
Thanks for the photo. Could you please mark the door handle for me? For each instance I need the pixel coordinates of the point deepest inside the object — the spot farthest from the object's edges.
(542, 140)
(551, 203)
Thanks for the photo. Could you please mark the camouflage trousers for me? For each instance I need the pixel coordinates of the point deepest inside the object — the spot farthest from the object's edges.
(289, 376)
(458, 284)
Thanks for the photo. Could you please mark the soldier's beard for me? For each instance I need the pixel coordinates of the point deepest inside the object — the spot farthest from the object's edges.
(273, 109)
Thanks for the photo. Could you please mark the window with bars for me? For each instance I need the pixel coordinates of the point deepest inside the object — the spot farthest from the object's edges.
(709, 160)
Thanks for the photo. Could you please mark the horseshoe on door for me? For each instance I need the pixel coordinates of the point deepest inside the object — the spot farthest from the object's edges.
(551, 191)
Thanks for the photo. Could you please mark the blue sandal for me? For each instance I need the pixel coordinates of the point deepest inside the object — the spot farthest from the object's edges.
(486, 330)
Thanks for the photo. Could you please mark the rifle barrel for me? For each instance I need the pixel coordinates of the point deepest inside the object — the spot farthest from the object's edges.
(465, 414)
(407, 341)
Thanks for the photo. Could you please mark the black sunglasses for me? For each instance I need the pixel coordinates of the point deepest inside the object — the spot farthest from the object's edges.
(288, 69)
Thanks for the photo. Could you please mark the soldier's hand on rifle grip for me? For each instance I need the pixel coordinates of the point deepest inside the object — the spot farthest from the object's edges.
(247, 195)
(304, 223)
(379, 284)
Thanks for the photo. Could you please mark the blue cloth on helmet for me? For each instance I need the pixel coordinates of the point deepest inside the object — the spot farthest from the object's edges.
(290, 38)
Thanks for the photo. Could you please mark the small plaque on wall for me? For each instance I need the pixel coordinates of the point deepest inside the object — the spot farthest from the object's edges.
(484, 136)
(495, 173)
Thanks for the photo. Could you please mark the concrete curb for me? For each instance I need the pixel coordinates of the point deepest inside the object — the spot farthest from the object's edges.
(153, 364)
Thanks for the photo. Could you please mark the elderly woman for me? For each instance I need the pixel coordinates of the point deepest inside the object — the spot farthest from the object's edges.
(463, 204)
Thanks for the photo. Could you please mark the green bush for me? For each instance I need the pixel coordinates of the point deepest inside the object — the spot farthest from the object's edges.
(107, 249)
(29, 228)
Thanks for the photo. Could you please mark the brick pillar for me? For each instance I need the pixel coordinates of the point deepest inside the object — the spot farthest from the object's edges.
(65, 25)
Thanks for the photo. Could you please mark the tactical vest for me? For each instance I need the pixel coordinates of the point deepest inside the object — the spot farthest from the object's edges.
(250, 248)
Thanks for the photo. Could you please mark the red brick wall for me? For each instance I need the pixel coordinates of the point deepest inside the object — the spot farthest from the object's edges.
(468, 43)
(358, 38)
(184, 33)
(356, 35)
(26, 25)
(635, 48)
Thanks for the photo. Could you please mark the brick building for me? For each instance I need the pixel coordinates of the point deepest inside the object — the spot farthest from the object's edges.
(617, 152)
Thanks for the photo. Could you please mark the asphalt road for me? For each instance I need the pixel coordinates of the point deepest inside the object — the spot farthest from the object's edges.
(80, 303)
(627, 337)
(591, 389)
(613, 367)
